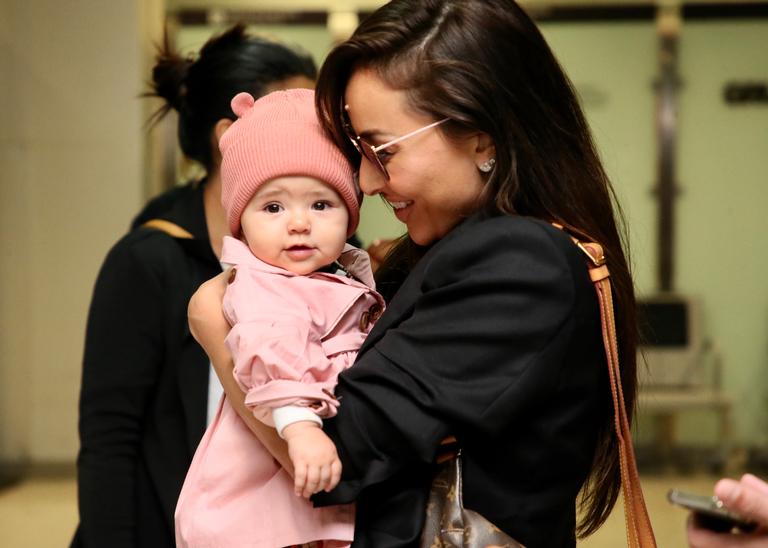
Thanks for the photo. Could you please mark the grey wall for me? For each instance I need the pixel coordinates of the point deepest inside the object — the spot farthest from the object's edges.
(70, 151)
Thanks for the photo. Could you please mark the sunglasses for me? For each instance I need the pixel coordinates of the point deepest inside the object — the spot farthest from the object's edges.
(370, 152)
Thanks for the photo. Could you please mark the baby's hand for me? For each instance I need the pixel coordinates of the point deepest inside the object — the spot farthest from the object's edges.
(315, 462)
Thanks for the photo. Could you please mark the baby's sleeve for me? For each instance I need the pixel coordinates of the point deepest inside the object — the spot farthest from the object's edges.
(279, 362)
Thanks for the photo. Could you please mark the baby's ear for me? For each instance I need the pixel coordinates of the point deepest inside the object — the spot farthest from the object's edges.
(241, 103)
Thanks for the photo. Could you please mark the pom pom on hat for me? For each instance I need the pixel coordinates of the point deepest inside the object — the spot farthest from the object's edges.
(241, 103)
(278, 136)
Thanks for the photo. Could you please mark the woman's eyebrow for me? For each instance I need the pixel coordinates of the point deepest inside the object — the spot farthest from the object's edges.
(372, 133)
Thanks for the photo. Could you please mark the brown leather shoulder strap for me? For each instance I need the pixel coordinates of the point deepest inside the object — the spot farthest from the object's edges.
(638, 523)
(172, 229)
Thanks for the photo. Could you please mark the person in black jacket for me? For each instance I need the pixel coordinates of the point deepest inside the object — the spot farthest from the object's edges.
(460, 117)
(145, 397)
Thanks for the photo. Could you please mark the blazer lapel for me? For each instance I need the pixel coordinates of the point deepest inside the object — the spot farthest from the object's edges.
(404, 301)
(401, 305)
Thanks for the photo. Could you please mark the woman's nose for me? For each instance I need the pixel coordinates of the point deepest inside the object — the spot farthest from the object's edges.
(372, 180)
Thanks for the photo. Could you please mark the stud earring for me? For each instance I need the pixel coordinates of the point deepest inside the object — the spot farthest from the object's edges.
(487, 166)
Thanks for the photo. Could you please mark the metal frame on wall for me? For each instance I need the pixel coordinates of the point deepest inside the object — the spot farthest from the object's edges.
(550, 13)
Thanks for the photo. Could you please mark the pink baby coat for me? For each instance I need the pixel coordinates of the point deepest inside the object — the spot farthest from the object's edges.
(291, 336)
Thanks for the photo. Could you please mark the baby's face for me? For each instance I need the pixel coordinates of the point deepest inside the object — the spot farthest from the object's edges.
(297, 223)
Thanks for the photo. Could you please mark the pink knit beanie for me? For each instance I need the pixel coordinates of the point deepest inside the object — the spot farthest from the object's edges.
(278, 136)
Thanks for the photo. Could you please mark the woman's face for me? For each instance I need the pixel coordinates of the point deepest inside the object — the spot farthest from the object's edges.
(433, 182)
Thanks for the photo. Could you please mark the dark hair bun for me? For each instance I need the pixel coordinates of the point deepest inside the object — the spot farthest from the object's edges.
(168, 77)
(201, 87)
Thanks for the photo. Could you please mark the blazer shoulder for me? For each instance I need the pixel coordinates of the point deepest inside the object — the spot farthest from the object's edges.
(514, 227)
(504, 239)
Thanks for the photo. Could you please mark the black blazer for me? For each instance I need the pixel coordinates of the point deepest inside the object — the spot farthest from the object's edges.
(494, 337)
(144, 392)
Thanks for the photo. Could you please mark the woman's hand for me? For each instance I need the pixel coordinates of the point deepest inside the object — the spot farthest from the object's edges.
(210, 328)
(747, 497)
(207, 322)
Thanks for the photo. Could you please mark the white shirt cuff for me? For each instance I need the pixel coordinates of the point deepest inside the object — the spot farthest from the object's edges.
(289, 414)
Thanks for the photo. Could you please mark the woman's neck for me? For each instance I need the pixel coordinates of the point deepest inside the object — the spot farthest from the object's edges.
(215, 217)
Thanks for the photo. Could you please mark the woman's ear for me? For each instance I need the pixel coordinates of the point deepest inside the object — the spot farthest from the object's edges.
(218, 130)
(485, 150)
(220, 127)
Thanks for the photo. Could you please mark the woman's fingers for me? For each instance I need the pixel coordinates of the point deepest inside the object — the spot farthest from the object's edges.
(755, 482)
(746, 498)
(704, 538)
(206, 319)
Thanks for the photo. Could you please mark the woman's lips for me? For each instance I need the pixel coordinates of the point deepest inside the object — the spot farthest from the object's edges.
(401, 209)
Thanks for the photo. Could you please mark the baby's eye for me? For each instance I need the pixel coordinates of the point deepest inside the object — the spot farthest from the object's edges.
(321, 205)
(272, 208)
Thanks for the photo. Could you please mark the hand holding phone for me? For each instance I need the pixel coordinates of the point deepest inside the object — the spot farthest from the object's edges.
(709, 512)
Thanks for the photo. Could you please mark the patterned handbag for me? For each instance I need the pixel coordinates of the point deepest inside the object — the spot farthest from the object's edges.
(448, 524)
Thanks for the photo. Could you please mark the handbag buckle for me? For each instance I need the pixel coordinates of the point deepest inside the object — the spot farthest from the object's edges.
(593, 251)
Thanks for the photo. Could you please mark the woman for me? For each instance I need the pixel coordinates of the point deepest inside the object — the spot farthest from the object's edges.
(145, 397)
(462, 120)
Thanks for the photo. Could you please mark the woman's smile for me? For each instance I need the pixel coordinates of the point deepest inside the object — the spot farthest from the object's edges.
(401, 209)
(399, 205)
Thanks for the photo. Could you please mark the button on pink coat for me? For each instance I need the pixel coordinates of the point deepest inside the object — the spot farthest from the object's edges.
(291, 337)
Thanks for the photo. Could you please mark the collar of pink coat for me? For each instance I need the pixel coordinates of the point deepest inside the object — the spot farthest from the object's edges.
(356, 261)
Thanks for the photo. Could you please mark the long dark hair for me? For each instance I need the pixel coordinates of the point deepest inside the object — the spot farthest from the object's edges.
(201, 89)
(484, 65)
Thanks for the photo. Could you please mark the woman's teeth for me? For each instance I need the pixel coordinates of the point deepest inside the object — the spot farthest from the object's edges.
(400, 205)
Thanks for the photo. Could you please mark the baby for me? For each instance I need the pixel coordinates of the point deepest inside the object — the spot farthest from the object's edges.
(300, 302)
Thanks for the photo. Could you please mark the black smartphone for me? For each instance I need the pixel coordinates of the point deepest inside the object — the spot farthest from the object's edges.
(709, 512)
